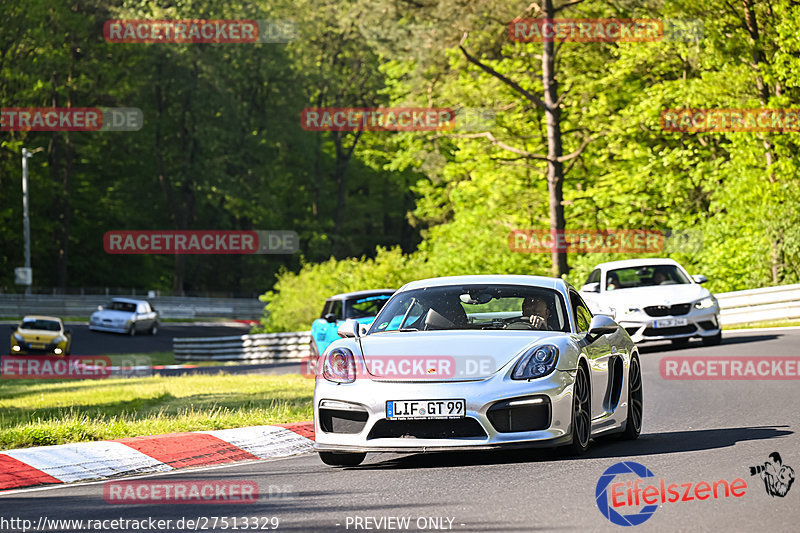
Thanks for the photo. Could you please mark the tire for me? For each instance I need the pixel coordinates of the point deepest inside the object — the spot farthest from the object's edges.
(342, 458)
(712, 340)
(633, 424)
(154, 329)
(681, 343)
(132, 330)
(581, 414)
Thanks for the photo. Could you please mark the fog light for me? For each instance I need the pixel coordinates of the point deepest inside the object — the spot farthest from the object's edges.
(15, 348)
(57, 351)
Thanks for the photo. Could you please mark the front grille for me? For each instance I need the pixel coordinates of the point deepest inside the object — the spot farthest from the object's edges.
(666, 310)
(427, 429)
(678, 330)
(509, 418)
(342, 421)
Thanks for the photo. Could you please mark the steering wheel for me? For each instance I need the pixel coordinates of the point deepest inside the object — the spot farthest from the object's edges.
(522, 319)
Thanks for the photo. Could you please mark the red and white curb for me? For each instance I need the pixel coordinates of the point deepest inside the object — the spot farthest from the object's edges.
(86, 461)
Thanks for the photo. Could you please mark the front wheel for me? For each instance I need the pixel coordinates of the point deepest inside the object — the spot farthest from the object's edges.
(342, 458)
(132, 330)
(154, 329)
(633, 424)
(581, 414)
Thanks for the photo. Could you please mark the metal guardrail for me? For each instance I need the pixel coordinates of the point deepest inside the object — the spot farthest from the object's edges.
(19, 305)
(756, 305)
(760, 305)
(259, 347)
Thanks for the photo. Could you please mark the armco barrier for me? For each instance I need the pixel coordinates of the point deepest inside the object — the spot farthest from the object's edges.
(760, 305)
(259, 347)
(19, 305)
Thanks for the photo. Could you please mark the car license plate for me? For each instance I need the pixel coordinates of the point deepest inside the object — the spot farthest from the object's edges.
(37, 346)
(670, 322)
(425, 409)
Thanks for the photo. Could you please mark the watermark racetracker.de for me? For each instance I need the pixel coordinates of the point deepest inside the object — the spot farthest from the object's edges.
(55, 367)
(200, 242)
(377, 119)
(709, 120)
(71, 119)
(605, 241)
(397, 367)
(738, 367)
(198, 31)
(185, 492)
(604, 30)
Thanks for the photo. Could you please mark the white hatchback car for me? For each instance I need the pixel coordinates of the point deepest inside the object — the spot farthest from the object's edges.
(654, 300)
(125, 315)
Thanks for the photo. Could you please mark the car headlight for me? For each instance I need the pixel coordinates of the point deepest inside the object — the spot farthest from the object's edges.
(18, 337)
(59, 339)
(339, 366)
(705, 303)
(537, 362)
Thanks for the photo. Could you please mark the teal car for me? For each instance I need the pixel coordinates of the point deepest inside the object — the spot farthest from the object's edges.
(362, 306)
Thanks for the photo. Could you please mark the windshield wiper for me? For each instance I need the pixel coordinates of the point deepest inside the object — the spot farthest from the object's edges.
(408, 329)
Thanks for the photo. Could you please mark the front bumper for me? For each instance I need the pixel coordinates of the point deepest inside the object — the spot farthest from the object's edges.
(110, 329)
(26, 349)
(699, 323)
(374, 433)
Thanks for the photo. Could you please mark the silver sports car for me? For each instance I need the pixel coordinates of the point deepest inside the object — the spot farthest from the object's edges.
(476, 362)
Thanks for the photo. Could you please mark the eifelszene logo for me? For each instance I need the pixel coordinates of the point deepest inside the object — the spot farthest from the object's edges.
(601, 494)
(629, 493)
(778, 477)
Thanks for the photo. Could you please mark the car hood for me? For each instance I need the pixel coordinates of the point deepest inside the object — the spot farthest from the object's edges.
(657, 295)
(38, 335)
(444, 355)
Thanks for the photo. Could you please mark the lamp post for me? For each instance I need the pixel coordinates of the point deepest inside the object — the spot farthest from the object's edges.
(26, 223)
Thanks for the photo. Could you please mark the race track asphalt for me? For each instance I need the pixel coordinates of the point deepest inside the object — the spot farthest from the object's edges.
(694, 431)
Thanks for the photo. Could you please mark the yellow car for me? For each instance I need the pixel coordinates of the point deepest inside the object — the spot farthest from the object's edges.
(41, 334)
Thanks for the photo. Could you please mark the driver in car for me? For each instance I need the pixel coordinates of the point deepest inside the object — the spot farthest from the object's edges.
(536, 311)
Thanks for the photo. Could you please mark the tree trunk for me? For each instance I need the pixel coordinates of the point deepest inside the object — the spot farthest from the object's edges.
(758, 58)
(555, 168)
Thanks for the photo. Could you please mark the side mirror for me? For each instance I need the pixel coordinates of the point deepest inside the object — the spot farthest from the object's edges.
(699, 278)
(362, 329)
(99, 307)
(349, 329)
(602, 325)
(68, 331)
(591, 287)
(330, 317)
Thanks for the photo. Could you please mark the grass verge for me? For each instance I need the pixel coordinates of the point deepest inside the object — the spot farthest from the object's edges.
(770, 324)
(36, 413)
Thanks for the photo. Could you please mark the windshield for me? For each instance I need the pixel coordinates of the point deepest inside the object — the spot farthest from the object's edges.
(122, 306)
(366, 307)
(645, 276)
(44, 325)
(474, 307)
